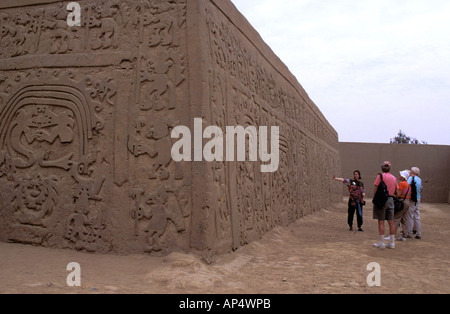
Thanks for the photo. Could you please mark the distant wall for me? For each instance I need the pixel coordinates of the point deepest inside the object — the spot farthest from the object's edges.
(433, 161)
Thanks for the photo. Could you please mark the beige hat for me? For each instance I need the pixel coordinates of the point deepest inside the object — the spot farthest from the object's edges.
(416, 170)
(405, 174)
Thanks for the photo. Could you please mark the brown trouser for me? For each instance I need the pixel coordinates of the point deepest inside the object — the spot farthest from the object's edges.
(401, 218)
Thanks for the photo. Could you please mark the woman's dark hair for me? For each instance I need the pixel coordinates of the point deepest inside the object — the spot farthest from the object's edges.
(359, 173)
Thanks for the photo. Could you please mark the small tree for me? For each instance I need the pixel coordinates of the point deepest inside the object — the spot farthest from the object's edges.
(402, 138)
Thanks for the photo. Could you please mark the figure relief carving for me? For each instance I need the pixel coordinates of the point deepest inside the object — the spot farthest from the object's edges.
(61, 35)
(35, 198)
(159, 78)
(84, 226)
(160, 192)
(102, 25)
(160, 24)
(45, 29)
(151, 137)
(156, 209)
(19, 34)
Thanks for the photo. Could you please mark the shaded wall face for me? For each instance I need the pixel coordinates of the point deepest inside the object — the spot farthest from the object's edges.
(432, 160)
(86, 115)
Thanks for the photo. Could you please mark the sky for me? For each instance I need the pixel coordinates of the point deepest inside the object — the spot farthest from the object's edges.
(373, 68)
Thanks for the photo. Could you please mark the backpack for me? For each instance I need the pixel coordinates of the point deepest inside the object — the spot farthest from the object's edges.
(399, 204)
(413, 191)
(381, 195)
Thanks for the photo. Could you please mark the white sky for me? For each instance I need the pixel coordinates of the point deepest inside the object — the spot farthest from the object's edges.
(372, 67)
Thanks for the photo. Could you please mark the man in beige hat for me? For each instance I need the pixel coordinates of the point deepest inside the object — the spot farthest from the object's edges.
(414, 209)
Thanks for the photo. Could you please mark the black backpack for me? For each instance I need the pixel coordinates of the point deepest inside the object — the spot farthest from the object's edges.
(381, 195)
(413, 191)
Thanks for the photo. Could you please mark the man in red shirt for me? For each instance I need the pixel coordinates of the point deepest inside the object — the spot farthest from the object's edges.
(387, 211)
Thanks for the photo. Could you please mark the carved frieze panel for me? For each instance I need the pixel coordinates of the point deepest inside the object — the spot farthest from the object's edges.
(86, 113)
(50, 125)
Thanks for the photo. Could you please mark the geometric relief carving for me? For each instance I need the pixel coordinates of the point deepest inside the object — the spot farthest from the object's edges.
(41, 114)
(35, 124)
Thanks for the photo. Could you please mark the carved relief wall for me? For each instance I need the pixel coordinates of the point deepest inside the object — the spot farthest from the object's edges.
(249, 86)
(86, 115)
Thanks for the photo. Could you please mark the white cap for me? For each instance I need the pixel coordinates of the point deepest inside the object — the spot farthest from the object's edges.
(405, 174)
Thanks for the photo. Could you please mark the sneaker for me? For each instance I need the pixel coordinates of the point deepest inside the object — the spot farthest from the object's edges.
(402, 238)
(360, 229)
(380, 245)
(418, 237)
(391, 245)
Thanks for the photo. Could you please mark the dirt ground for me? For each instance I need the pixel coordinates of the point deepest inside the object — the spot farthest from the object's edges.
(317, 254)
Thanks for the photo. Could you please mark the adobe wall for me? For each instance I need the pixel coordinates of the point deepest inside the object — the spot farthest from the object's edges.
(86, 115)
(432, 160)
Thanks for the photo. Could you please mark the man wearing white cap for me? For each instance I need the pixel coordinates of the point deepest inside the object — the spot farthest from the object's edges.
(414, 209)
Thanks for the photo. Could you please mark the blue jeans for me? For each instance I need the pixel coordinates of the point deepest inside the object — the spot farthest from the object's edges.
(351, 213)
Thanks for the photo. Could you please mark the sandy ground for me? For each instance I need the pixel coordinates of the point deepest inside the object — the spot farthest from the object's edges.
(317, 255)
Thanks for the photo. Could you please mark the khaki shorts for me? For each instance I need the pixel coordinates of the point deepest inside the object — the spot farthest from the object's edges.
(385, 213)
